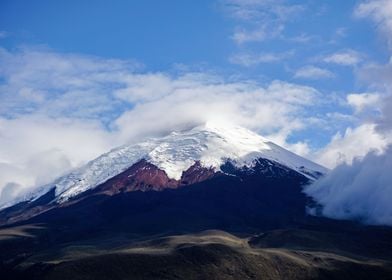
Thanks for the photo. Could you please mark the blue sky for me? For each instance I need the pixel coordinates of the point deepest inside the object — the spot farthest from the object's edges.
(155, 32)
(80, 77)
(160, 34)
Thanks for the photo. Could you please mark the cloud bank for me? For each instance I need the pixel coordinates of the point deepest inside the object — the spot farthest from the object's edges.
(361, 191)
(360, 187)
(57, 115)
(354, 143)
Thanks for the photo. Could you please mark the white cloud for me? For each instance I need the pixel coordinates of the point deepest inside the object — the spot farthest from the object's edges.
(259, 33)
(313, 73)
(354, 143)
(59, 114)
(145, 87)
(359, 191)
(52, 87)
(270, 109)
(376, 76)
(361, 101)
(345, 58)
(385, 123)
(259, 19)
(380, 11)
(36, 149)
(360, 187)
(251, 59)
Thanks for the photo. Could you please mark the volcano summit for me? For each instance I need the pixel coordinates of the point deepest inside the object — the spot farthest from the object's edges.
(209, 146)
(216, 196)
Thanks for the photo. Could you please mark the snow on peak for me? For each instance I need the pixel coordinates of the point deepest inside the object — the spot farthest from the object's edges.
(211, 144)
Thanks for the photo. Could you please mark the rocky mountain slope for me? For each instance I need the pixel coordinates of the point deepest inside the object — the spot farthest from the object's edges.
(146, 211)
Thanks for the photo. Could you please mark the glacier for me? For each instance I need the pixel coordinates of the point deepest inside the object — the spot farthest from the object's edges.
(211, 144)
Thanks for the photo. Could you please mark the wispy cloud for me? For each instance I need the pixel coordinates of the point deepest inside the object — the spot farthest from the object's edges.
(255, 34)
(380, 12)
(261, 9)
(52, 87)
(361, 101)
(251, 59)
(302, 38)
(313, 73)
(259, 19)
(341, 32)
(345, 58)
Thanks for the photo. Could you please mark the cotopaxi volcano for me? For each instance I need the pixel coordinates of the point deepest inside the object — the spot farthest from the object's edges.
(147, 209)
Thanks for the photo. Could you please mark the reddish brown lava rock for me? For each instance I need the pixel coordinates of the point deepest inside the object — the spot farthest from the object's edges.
(142, 176)
(145, 176)
(196, 173)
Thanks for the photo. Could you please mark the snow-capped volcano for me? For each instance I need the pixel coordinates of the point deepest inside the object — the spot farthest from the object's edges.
(211, 145)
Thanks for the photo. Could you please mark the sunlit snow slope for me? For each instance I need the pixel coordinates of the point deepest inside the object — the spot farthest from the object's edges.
(211, 144)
